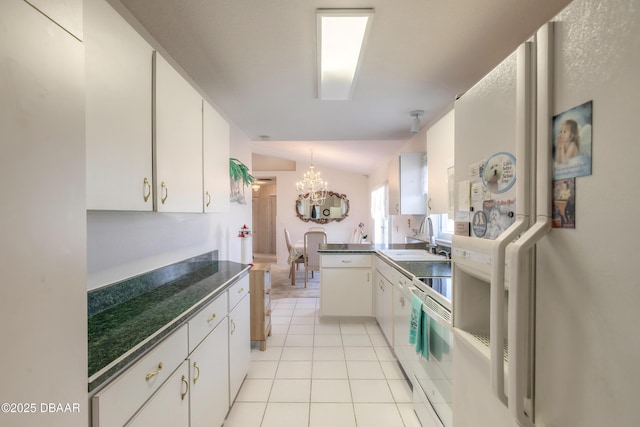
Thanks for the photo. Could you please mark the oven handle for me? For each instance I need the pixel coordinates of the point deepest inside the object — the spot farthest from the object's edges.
(434, 315)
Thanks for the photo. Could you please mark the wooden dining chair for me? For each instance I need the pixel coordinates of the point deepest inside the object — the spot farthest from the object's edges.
(312, 239)
(300, 259)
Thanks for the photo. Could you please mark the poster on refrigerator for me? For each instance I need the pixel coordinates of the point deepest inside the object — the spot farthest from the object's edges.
(499, 215)
(564, 203)
(572, 131)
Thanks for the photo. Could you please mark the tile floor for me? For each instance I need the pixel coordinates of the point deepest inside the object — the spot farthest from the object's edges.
(319, 374)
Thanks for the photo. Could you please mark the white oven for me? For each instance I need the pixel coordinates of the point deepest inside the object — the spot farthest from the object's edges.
(433, 372)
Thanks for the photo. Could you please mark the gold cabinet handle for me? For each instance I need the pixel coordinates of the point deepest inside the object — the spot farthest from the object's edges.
(241, 290)
(165, 192)
(197, 368)
(147, 189)
(233, 326)
(268, 313)
(154, 373)
(346, 261)
(267, 291)
(211, 318)
(186, 383)
(208, 198)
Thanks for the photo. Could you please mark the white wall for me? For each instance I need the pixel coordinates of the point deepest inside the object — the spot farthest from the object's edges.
(124, 244)
(354, 186)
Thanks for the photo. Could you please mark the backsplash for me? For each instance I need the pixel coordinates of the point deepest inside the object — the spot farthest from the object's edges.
(111, 295)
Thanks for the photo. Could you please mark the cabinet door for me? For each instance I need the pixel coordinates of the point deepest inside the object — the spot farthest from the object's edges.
(346, 292)
(215, 161)
(178, 141)
(239, 345)
(384, 304)
(118, 64)
(169, 406)
(209, 365)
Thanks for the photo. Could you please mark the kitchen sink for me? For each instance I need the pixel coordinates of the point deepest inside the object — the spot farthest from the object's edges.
(411, 255)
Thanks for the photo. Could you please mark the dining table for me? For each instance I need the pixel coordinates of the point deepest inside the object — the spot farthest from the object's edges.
(297, 250)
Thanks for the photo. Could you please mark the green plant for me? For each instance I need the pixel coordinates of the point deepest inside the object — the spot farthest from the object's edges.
(239, 171)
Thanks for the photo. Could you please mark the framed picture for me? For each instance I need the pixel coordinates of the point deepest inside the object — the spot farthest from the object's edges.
(572, 132)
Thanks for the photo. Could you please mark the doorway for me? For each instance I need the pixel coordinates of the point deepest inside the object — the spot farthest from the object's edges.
(264, 208)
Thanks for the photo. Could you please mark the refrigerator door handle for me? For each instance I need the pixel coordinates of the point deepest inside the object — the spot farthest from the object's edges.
(519, 314)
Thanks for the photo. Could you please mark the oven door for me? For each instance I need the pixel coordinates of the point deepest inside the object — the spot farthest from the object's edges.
(434, 371)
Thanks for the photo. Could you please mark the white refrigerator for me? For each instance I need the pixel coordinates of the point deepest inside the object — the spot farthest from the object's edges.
(544, 318)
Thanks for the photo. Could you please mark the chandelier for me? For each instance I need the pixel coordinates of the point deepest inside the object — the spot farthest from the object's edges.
(312, 187)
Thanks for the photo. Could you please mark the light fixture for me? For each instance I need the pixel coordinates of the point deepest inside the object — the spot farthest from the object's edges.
(255, 187)
(341, 36)
(312, 187)
(415, 122)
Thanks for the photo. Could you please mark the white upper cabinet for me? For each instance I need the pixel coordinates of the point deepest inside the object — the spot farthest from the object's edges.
(440, 149)
(215, 150)
(178, 141)
(118, 65)
(406, 184)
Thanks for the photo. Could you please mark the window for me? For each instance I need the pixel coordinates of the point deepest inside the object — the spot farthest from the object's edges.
(379, 204)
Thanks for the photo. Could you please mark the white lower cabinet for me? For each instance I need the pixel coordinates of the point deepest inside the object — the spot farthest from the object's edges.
(346, 285)
(192, 377)
(169, 406)
(239, 344)
(384, 306)
(209, 379)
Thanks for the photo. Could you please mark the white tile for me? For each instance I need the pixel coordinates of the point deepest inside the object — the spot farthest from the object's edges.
(302, 320)
(373, 328)
(297, 353)
(264, 369)
(294, 369)
(282, 320)
(254, 390)
(331, 414)
(370, 391)
(301, 329)
(329, 369)
(298, 341)
(407, 413)
(378, 340)
(327, 329)
(282, 312)
(360, 353)
(276, 340)
(364, 370)
(279, 329)
(307, 303)
(305, 311)
(285, 415)
(377, 415)
(392, 370)
(290, 391)
(356, 340)
(401, 391)
(352, 328)
(330, 391)
(328, 353)
(271, 353)
(385, 354)
(327, 341)
(245, 414)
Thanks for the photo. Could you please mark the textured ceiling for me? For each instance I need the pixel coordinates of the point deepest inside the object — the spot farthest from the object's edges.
(256, 59)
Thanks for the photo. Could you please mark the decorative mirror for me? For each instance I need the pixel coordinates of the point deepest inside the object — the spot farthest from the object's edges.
(334, 208)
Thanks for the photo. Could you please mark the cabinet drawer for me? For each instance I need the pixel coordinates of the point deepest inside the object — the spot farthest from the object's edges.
(237, 291)
(118, 401)
(346, 261)
(206, 320)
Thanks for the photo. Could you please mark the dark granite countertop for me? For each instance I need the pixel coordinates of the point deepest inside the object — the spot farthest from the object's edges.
(165, 302)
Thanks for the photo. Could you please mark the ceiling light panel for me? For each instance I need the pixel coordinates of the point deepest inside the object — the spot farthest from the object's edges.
(342, 34)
